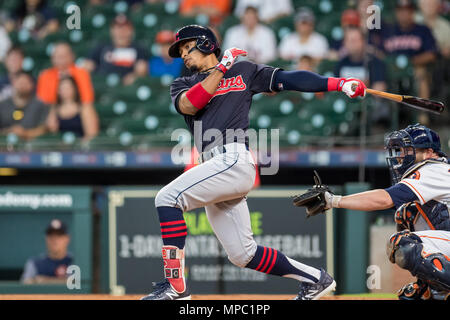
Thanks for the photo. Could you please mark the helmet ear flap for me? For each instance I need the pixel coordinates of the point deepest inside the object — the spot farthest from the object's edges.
(205, 45)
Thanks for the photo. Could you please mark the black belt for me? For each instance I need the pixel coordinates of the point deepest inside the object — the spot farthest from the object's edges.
(205, 156)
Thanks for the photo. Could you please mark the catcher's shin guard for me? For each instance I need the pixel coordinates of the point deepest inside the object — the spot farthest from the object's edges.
(173, 259)
(406, 250)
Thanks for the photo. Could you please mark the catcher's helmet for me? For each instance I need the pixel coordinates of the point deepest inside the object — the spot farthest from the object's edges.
(206, 40)
(411, 138)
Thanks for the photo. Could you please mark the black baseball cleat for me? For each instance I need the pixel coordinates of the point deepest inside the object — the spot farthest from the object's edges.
(164, 291)
(315, 291)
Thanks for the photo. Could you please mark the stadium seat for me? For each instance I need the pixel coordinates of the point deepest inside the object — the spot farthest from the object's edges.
(103, 142)
(9, 5)
(135, 126)
(228, 22)
(281, 63)
(326, 67)
(283, 26)
(398, 67)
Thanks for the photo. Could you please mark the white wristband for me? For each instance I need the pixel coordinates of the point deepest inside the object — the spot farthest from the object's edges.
(335, 201)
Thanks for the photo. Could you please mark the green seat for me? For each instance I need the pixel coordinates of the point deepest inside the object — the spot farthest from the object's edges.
(228, 22)
(113, 109)
(326, 67)
(171, 123)
(47, 142)
(157, 107)
(9, 5)
(158, 9)
(283, 26)
(102, 142)
(277, 106)
(132, 93)
(134, 125)
(97, 18)
(330, 27)
(281, 63)
(398, 67)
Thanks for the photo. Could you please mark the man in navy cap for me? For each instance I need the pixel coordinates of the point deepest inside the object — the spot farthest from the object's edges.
(50, 267)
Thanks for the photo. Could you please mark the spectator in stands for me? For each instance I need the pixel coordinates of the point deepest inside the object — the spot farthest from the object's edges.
(23, 114)
(305, 40)
(50, 267)
(5, 43)
(306, 63)
(35, 16)
(413, 40)
(358, 63)
(350, 18)
(69, 114)
(163, 64)
(122, 56)
(63, 64)
(269, 10)
(13, 64)
(255, 38)
(440, 27)
(373, 34)
(216, 10)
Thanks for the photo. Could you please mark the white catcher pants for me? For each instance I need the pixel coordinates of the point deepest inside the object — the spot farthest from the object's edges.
(435, 241)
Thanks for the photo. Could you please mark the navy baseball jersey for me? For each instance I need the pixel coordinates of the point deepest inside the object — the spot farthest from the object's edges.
(417, 40)
(229, 108)
(45, 266)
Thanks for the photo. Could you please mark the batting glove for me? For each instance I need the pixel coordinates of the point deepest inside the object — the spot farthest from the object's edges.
(352, 87)
(228, 59)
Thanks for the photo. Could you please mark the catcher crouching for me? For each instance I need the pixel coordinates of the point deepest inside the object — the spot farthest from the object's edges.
(420, 193)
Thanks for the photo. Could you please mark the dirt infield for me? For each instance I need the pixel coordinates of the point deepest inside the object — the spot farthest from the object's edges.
(194, 297)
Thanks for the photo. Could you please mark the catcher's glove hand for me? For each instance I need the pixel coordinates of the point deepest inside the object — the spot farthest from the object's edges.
(318, 199)
(406, 216)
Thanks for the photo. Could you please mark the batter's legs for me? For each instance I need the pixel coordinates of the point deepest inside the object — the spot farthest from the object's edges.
(230, 221)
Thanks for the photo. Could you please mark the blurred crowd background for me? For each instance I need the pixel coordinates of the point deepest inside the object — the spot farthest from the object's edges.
(104, 84)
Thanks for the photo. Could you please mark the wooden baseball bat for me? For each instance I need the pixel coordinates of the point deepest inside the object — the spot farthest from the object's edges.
(435, 107)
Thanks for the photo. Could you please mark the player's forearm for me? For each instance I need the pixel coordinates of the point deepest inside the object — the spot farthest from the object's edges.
(212, 81)
(304, 81)
(377, 199)
(198, 96)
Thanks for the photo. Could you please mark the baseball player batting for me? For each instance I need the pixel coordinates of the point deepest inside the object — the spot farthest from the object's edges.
(218, 96)
(420, 192)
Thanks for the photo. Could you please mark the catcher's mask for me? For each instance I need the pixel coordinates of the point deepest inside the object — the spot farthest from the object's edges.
(206, 41)
(401, 147)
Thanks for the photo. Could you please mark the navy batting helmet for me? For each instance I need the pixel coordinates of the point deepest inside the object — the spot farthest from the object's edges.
(402, 144)
(206, 40)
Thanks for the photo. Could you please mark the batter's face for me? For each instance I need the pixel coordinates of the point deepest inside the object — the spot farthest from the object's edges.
(193, 60)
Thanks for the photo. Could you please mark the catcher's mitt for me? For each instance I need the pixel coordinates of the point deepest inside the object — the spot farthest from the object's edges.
(406, 216)
(315, 199)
